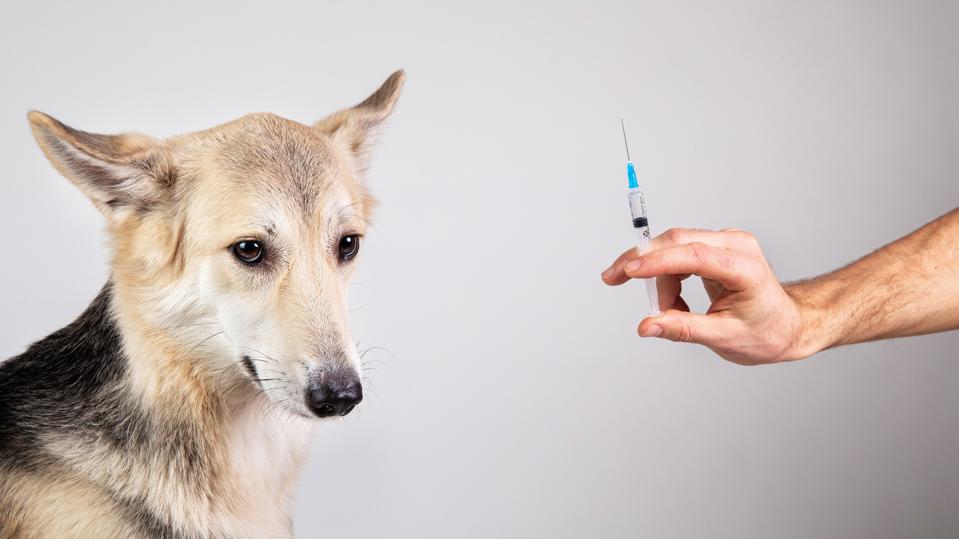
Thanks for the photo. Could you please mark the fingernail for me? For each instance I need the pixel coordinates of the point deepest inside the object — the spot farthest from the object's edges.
(653, 331)
(633, 266)
(608, 271)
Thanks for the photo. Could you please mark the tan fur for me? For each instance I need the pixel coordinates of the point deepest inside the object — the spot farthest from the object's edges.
(60, 504)
(188, 311)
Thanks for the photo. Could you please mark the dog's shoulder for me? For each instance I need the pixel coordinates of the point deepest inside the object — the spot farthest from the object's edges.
(57, 379)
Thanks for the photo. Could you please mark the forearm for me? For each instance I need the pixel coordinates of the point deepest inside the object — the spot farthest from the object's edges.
(908, 287)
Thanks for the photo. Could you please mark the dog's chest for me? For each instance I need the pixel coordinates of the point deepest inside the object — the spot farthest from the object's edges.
(265, 455)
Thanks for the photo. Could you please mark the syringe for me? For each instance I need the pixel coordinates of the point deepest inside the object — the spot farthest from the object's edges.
(637, 207)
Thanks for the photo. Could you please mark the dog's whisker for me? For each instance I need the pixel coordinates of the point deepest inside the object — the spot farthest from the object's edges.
(197, 345)
(257, 351)
(364, 304)
(377, 348)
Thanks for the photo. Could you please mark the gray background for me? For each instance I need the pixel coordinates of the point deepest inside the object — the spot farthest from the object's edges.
(513, 398)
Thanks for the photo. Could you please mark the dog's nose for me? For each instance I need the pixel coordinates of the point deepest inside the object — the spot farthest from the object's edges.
(334, 394)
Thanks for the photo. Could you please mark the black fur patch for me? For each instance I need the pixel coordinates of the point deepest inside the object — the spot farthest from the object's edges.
(250, 368)
(52, 385)
(68, 383)
(149, 523)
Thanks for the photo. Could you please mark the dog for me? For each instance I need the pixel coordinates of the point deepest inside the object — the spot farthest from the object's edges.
(181, 402)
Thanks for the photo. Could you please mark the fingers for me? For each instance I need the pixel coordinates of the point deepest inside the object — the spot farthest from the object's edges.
(679, 326)
(735, 270)
(729, 238)
(713, 289)
(680, 305)
(615, 275)
(670, 287)
(682, 236)
(734, 273)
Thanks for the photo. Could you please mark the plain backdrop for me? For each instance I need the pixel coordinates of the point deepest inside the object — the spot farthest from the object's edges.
(511, 396)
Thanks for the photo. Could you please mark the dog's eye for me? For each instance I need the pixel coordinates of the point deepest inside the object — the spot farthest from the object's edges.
(349, 246)
(248, 251)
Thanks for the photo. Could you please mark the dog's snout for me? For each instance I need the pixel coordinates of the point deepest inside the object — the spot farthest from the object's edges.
(334, 394)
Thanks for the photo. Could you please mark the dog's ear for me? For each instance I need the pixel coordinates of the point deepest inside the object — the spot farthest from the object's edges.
(118, 173)
(354, 126)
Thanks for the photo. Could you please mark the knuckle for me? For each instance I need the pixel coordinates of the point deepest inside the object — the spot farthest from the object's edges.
(700, 251)
(749, 239)
(675, 235)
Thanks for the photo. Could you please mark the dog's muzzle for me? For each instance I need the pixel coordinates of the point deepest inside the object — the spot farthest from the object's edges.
(334, 393)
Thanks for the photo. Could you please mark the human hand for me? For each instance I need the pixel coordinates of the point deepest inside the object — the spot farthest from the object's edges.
(751, 319)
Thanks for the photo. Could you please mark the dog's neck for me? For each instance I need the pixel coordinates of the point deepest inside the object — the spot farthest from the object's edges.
(246, 452)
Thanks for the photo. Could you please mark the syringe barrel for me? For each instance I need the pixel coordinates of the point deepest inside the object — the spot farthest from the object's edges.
(652, 293)
(637, 208)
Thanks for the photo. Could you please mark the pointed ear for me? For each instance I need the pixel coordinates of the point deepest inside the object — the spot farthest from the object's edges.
(354, 126)
(118, 173)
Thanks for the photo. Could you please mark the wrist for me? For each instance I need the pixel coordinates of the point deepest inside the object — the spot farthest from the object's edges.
(816, 327)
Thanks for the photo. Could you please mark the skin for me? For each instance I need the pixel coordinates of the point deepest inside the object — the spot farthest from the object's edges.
(908, 287)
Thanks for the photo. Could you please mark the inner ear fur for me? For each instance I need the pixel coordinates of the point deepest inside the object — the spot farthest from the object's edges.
(116, 172)
(354, 126)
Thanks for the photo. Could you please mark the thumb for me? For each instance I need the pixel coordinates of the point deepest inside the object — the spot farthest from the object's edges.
(682, 326)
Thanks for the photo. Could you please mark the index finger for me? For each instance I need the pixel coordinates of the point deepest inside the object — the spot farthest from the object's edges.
(735, 270)
(616, 274)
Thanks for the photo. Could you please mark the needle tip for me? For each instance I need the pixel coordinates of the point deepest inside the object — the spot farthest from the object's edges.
(623, 124)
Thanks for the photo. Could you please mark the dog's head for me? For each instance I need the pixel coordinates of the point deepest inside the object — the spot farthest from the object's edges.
(234, 247)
